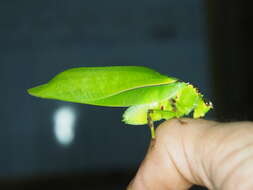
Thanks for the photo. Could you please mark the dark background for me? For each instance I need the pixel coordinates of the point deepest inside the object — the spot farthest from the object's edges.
(207, 43)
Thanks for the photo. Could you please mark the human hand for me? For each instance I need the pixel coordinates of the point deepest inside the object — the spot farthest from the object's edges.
(207, 153)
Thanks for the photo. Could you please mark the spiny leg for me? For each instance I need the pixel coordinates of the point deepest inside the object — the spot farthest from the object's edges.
(174, 108)
(164, 114)
(151, 123)
(173, 104)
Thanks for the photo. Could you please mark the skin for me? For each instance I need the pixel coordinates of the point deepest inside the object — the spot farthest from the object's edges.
(208, 153)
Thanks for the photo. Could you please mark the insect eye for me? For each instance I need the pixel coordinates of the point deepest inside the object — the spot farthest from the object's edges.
(209, 104)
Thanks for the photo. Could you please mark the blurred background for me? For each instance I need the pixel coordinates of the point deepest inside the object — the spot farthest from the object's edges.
(47, 144)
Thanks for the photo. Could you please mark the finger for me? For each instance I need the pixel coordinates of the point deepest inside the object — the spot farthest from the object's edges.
(229, 156)
(212, 154)
(158, 171)
(166, 165)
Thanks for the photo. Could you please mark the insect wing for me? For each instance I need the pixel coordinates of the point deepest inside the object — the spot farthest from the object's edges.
(90, 84)
(144, 95)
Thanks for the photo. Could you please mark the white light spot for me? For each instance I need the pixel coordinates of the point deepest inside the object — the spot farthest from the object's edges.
(64, 124)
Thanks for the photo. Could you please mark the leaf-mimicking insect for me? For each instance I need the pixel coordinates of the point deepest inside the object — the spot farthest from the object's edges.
(149, 95)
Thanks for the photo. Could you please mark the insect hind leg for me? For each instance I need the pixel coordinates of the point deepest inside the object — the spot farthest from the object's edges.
(151, 123)
(163, 113)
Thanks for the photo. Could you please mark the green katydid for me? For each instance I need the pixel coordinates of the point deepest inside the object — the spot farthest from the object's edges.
(149, 95)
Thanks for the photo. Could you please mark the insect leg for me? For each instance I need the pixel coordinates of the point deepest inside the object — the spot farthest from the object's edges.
(173, 104)
(164, 114)
(151, 123)
(174, 108)
(181, 121)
